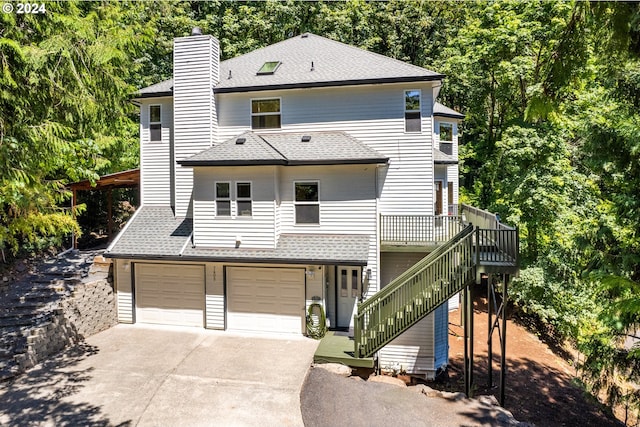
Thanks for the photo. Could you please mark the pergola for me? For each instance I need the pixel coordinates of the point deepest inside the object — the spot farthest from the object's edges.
(125, 179)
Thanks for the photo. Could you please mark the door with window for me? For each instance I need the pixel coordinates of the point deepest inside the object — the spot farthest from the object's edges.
(349, 288)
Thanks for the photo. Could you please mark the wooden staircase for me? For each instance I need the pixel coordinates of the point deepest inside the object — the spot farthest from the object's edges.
(430, 283)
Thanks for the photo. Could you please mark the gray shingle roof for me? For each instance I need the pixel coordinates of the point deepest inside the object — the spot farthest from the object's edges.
(287, 149)
(334, 64)
(440, 158)
(297, 249)
(440, 110)
(154, 233)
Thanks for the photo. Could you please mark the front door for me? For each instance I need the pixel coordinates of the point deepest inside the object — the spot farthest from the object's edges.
(349, 288)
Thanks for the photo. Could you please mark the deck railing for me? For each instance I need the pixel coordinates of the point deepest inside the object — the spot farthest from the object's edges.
(495, 242)
(479, 217)
(418, 229)
(414, 294)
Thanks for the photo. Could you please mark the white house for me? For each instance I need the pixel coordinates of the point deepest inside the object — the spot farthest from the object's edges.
(264, 181)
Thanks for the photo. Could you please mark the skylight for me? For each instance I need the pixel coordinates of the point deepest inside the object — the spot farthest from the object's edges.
(269, 67)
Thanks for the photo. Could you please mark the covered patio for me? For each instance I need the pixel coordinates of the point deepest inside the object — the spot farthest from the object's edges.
(124, 179)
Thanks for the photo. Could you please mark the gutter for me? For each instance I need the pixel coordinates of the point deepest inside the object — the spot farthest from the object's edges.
(305, 85)
(235, 259)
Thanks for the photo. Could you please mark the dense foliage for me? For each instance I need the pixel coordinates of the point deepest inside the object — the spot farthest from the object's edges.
(551, 93)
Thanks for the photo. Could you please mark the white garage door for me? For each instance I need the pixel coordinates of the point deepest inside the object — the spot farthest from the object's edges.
(265, 299)
(170, 294)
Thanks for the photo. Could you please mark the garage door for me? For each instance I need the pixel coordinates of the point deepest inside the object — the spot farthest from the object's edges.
(170, 294)
(265, 299)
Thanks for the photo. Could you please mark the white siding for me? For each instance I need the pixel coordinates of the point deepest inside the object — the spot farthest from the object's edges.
(452, 171)
(195, 73)
(347, 204)
(256, 231)
(155, 157)
(414, 350)
(215, 303)
(375, 116)
(124, 296)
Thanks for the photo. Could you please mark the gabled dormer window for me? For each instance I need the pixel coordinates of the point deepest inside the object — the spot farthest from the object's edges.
(412, 115)
(265, 113)
(155, 123)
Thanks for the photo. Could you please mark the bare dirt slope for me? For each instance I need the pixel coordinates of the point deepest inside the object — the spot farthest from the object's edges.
(541, 386)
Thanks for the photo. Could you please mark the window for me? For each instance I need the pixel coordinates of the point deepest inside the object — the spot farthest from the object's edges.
(269, 67)
(412, 116)
(243, 198)
(155, 123)
(223, 199)
(307, 203)
(265, 113)
(446, 132)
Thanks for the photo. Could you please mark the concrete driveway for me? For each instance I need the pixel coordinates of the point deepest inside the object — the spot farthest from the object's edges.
(156, 376)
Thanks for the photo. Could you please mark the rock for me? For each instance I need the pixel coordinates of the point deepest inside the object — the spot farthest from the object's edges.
(488, 400)
(453, 396)
(335, 368)
(21, 267)
(5, 279)
(356, 378)
(387, 380)
(429, 392)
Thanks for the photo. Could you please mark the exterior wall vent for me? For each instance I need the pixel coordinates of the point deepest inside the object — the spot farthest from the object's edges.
(306, 138)
(241, 141)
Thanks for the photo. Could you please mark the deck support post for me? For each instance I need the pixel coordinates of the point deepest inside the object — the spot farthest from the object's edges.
(489, 281)
(503, 347)
(468, 339)
(497, 312)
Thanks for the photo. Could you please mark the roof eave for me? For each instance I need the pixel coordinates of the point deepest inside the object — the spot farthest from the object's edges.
(450, 115)
(247, 260)
(152, 95)
(334, 83)
(445, 162)
(329, 162)
(274, 162)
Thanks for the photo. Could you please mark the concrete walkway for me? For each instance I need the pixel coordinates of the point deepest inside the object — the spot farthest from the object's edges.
(155, 376)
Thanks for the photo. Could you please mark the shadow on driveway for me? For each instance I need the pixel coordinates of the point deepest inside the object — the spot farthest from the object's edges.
(38, 396)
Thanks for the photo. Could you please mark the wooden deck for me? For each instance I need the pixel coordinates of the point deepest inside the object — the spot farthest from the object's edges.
(337, 347)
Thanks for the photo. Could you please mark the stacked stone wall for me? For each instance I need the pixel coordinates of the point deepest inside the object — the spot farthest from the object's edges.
(88, 307)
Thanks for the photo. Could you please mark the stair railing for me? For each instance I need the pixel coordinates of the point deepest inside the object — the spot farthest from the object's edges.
(414, 294)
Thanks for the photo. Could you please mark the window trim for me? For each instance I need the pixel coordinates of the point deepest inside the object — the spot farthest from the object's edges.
(279, 113)
(451, 124)
(155, 123)
(419, 110)
(222, 199)
(296, 203)
(243, 199)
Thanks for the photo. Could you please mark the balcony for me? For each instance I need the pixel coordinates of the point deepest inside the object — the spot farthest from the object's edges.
(495, 244)
(406, 232)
